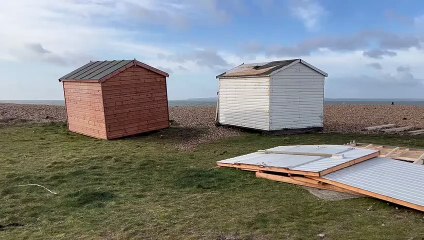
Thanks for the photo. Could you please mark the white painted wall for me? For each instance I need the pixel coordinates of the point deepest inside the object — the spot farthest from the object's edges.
(297, 98)
(244, 102)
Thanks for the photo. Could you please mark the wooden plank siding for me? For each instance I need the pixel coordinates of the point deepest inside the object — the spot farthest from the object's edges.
(296, 98)
(135, 101)
(84, 106)
(244, 102)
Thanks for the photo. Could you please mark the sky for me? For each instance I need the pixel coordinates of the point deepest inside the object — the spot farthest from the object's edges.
(370, 49)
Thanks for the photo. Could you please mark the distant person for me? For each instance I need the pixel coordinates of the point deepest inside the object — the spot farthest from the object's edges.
(393, 103)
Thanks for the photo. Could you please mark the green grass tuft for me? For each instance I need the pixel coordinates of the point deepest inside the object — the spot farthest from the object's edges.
(88, 197)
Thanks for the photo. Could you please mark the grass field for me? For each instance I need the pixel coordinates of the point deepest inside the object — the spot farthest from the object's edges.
(144, 188)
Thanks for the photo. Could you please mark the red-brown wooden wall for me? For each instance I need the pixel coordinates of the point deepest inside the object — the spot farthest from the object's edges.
(133, 101)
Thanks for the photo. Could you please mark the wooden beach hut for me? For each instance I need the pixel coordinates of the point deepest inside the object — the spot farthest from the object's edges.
(270, 96)
(113, 99)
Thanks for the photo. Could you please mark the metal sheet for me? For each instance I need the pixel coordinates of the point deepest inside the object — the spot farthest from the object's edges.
(95, 70)
(386, 177)
(328, 149)
(302, 162)
(327, 163)
(271, 160)
(79, 70)
(108, 68)
(98, 65)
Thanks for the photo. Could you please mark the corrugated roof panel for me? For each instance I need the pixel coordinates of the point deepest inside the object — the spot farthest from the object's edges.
(85, 71)
(101, 65)
(76, 71)
(327, 163)
(386, 177)
(107, 69)
(100, 69)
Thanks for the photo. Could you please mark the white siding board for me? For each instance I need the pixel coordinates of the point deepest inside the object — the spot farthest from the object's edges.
(244, 102)
(297, 96)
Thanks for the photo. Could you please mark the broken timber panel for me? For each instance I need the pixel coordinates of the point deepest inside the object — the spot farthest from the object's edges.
(417, 132)
(399, 153)
(379, 127)
(397, 130)
(302, 182)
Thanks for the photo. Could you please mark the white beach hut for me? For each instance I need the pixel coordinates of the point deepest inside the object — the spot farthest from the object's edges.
(271, 96)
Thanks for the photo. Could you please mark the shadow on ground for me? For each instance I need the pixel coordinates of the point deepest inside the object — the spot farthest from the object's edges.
(174, 134)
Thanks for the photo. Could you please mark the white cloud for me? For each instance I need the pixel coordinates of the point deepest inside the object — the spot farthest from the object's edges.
(353, 75)
(53, 37)
(74, 31)
(310, 12)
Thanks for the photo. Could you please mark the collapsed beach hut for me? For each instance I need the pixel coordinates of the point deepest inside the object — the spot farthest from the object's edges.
(369, 170)
(270, 96)
(113, 99)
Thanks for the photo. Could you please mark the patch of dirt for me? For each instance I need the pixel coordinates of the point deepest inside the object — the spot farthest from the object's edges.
(202, 119)
(10, 226)
(330, 195)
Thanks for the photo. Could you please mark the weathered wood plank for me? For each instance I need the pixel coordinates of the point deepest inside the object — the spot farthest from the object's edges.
(417, 132)
(398, 129)
(379, 127)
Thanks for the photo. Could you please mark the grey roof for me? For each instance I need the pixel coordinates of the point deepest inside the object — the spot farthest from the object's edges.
(102, 70)
(385, 177)
(262, 69)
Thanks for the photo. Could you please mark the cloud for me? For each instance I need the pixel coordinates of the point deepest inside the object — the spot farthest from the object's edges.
(71, 31)
(375, 66)
(166, 69)
(401, 69)
(395, 41)
(368, 86)
(37, 48)
(174, 14)
(209, 58)
(39, 53)
(310, 12)
(378, 53)
(151, 16)
(203, 58)
(387, 43)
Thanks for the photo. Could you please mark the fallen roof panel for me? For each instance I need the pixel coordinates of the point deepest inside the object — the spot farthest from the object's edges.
(313, 160)
(271, 160)
(322, 149)
(327, 163)
(387, 179)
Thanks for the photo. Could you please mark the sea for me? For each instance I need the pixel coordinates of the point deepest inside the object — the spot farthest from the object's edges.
(212, 102)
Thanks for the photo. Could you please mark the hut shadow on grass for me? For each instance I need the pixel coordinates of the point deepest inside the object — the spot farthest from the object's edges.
(174, 134)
